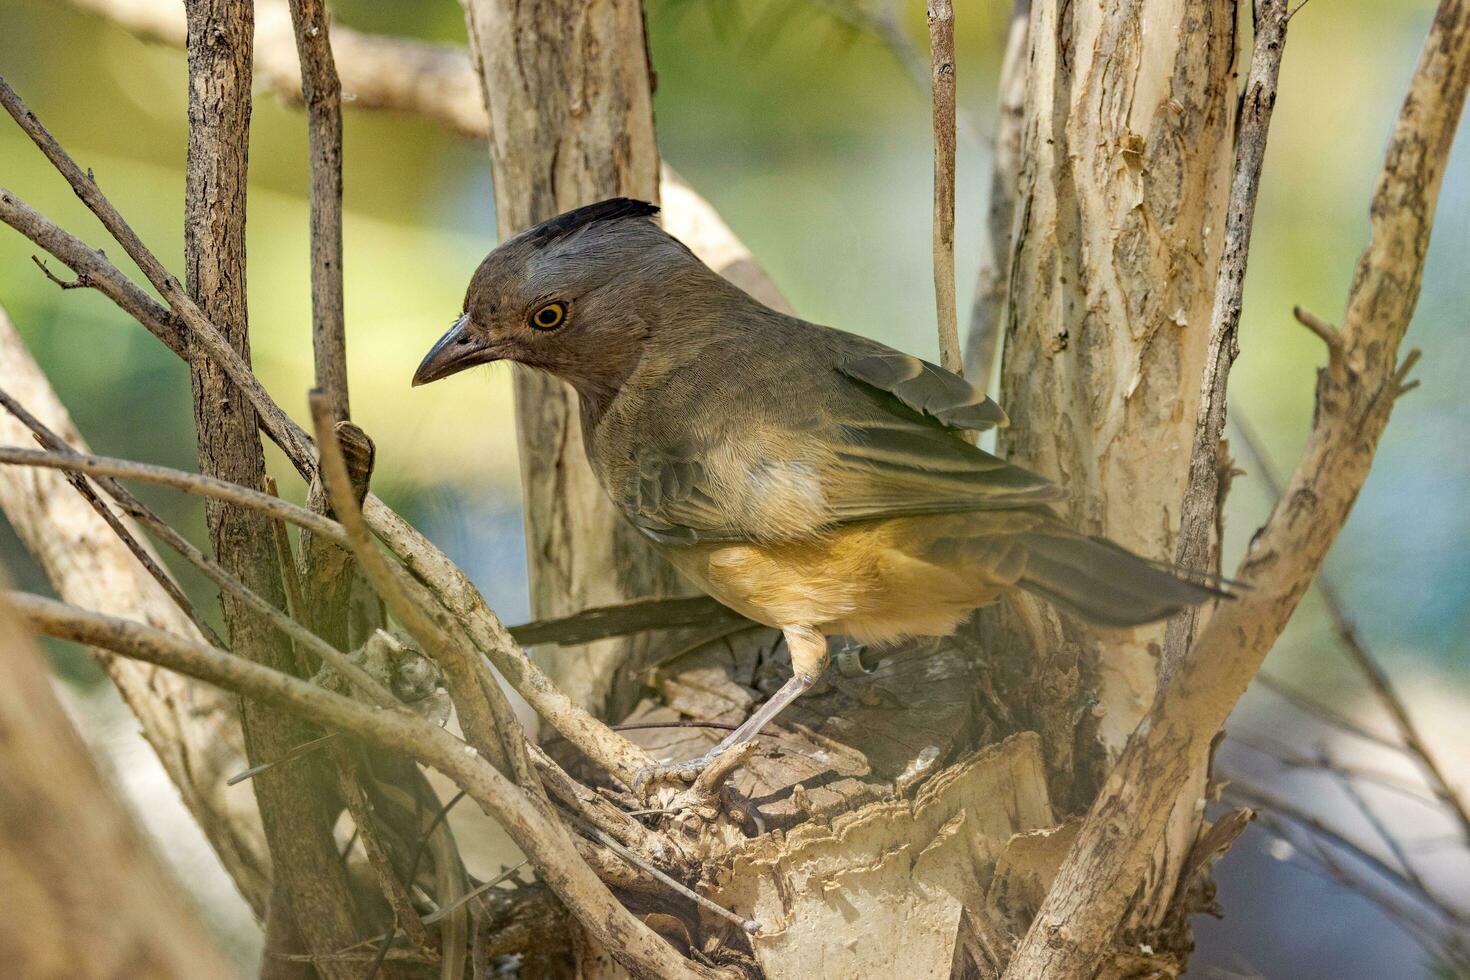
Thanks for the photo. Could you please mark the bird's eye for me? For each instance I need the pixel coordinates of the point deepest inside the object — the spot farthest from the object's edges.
(549, 317)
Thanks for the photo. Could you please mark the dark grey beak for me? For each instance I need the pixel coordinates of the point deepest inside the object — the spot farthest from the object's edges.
(456, 350)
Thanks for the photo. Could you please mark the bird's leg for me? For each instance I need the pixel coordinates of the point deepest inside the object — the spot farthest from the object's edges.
(808, 659)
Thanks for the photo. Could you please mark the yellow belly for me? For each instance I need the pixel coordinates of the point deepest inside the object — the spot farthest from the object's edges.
(878, 582)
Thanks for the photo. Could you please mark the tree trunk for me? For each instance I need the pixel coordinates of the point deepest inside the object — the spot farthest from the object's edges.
(1126, 154)
(568, 94)
(85, 895)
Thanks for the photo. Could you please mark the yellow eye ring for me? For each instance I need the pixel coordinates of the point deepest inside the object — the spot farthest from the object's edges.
(549, 317)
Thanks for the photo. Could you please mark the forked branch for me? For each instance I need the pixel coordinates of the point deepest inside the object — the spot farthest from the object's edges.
(1081, 912)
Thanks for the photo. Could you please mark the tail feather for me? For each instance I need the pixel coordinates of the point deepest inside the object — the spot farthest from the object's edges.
(1102, 583)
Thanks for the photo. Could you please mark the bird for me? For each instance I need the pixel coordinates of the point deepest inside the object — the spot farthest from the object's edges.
(814, 480)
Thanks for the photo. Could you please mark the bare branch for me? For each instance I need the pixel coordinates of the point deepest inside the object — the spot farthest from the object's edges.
(1202, 495)
(1083, 908)
(93, 270)
(1261, 799)
(56, 444)
(532, 826)
(1326, 331)
(488, 723)
(136, 509)
(992, 283)
(195, 483)
(295, 602)
(942, 95)
(1321, 712)
(201, 330)
(322, 92)
(312, 895)
(1361, 657)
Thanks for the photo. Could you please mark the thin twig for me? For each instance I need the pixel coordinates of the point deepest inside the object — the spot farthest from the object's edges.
(1324, 330)
(1258, 798)
(290, 578)
(60, 452)
(1202, 494)
(195, 483)
(473, 893)
(322, 92)
(359, 806)
(992, 279)
(305, 748)
(748, 925)
(1286, 756)
(1361, 657)
(641, 725)
(942, 95)
(206, 334)
(93, 269)
(1384, 834)
(1329, 867)
(1321, 712)
(489, 726)
(51, 440)
(80, 282)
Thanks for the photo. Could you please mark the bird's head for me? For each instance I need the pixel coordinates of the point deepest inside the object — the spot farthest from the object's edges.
(576, 296)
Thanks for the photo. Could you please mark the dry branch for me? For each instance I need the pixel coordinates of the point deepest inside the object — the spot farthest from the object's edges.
(487, 720)
(531, 825)
(93, 270)
(993, 279)
(1355, 395)
(56, 444)
(322, 92)
(1361, 657)
(1202, 495)
(202, 331)
(942, 96)
(104, 467)
(212, 570)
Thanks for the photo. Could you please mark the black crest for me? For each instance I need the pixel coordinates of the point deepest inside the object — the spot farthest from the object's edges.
(613, 209)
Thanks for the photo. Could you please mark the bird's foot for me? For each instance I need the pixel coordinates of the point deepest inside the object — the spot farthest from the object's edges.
(679, 774)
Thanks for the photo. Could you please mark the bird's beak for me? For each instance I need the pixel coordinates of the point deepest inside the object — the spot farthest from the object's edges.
(456, 350)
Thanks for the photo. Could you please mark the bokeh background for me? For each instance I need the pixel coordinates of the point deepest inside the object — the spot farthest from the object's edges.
(813, 142)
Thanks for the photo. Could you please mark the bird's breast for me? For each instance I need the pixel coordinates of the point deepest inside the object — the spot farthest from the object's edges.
(875, 581)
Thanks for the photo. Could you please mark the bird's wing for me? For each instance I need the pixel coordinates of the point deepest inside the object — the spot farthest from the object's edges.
(866, 453)
(926, 388)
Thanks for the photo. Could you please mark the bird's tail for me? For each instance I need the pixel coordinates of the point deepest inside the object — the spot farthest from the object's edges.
(1098, 581)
